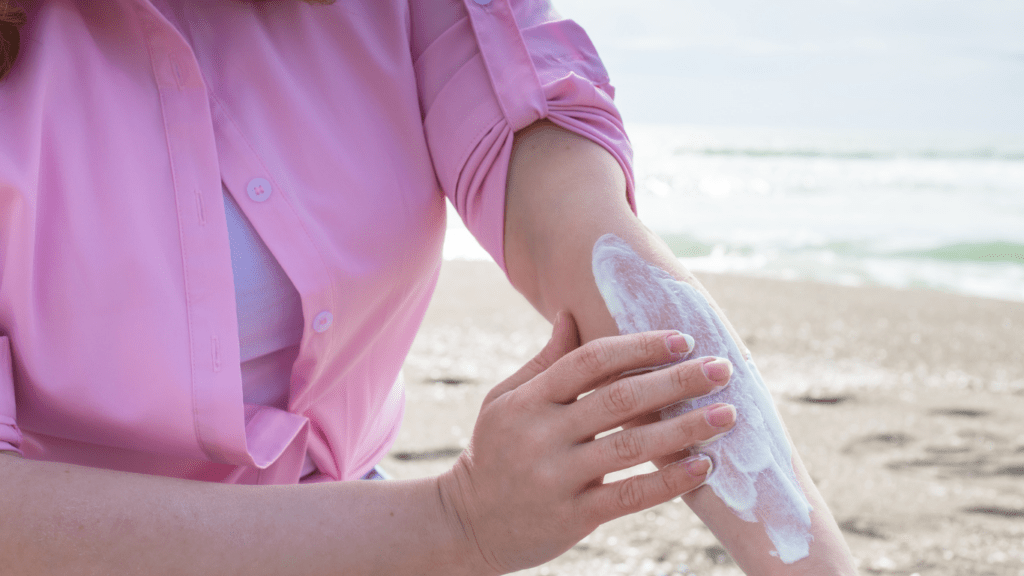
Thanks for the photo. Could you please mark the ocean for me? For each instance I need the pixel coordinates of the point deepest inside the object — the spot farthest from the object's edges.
(906, 210)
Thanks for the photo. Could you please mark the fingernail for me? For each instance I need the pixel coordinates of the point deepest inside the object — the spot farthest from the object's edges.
(717, 369)
(716, 389)
(712, 440)
(680, 344)
(698, 465)
(556, 323)
(721, 416)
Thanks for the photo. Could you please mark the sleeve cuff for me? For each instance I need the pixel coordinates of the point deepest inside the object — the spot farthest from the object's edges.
(507, 79)
(10, 435)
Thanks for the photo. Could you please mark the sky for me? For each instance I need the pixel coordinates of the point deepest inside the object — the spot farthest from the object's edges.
(907, 65)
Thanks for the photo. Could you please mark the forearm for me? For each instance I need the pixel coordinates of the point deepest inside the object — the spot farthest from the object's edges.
(65, 519)
(564, 193)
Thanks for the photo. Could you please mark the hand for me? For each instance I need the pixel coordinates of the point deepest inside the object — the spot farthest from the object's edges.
(531, 483)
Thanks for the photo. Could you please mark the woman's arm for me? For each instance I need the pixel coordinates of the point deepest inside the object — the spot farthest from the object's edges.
(565, 192)
(527, 489)
(64, 519)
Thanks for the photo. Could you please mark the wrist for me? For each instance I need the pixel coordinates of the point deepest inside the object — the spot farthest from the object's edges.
(458, 533)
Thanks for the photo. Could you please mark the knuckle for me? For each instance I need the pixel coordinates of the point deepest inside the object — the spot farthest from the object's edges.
(666, 484)
(594, 357)
(672, 485)
(679, 378)
(517, 401)
(547, 478)
(688, 430)
(537, 364)
(539, 436)
(652, 345)
(679, 481)
(628, 447)
(622, 398)
(630, 495)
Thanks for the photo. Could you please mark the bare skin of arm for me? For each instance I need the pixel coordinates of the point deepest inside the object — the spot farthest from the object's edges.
(64, 519)
(527, 489)
(565, 192)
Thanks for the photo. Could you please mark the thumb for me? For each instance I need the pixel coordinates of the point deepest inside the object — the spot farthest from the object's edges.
(565, 337)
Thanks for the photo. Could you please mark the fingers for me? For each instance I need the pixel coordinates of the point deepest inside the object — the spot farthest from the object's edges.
(600, 360)
(610, 501)
(668, 437)
(638, 395)
(636, 445)
(565, 338)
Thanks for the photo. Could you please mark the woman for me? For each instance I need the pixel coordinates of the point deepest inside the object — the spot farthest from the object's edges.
(220, 225)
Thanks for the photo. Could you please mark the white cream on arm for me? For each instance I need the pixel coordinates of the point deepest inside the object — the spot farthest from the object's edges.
(753, 466)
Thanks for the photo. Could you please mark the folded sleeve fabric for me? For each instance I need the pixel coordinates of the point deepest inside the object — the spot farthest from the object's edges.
(10, 435)
(487, 68)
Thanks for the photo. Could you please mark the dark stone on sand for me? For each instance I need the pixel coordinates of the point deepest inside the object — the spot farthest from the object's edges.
(824, 399)
(996, 511)
(891, 438)
(717, 554)
(875, 442)
(981, 436)
(959, 412)
(861, 527)
(450, 381)
(436, 454)
(1015, 470)
(947, 449)
(974, 465)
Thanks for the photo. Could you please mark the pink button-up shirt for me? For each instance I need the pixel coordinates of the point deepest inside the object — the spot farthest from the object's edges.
(338, 130)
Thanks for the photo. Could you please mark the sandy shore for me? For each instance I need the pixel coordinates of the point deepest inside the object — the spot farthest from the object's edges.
(907, 407)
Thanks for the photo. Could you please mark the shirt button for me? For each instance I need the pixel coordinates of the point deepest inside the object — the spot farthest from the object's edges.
(323, 321)
(259, 189)
(482, 2)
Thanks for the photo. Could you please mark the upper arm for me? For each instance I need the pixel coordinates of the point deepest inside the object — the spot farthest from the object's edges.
(564, 191)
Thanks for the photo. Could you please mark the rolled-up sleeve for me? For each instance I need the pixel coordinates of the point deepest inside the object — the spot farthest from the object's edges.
(487, 68)
(10, 435)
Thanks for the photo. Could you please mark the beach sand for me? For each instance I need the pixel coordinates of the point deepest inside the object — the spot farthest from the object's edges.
(906, 406)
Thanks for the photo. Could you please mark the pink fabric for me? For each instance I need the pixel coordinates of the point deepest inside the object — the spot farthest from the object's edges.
(334, 128)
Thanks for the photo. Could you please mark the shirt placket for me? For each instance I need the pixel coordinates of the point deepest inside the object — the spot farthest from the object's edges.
(266, 202)
(216, 387)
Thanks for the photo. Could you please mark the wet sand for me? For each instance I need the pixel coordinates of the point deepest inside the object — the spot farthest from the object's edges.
(906, 406)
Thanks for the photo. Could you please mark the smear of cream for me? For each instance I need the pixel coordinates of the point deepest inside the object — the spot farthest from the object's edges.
(753, 472)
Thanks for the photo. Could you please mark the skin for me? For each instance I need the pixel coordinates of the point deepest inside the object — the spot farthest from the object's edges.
(555, 213)
(529, 486)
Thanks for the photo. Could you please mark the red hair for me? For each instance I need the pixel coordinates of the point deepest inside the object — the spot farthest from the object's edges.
(12, 18)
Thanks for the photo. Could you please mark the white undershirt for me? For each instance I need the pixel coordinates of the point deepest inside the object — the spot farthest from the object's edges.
(269, 311)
